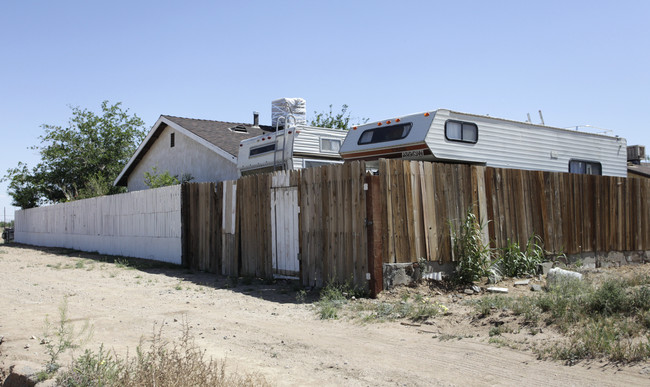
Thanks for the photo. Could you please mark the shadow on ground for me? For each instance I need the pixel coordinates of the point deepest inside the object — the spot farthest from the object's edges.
(273, 290)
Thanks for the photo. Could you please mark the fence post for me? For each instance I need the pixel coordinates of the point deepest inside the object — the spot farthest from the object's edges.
(184, 220)
(374, 229)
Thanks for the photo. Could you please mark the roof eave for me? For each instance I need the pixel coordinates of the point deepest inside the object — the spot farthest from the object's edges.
(152, 136)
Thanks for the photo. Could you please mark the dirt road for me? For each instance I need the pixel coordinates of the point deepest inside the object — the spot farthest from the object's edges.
(255, 327)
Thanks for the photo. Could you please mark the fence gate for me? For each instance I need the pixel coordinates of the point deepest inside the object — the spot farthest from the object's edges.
(284, 226)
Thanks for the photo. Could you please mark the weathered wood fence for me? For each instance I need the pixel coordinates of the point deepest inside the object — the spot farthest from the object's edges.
(338, 222)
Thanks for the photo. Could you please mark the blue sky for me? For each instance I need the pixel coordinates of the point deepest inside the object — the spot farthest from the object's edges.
(580, 62)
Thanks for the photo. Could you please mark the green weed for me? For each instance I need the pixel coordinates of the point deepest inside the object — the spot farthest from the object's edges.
(610, 320)
(61, 337)
(473, 256)
(333, 296)
(514, 262)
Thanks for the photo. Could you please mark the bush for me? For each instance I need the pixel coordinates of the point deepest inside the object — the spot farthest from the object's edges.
(162, 364)
(473, 256)
(516, 263)
(609, 299)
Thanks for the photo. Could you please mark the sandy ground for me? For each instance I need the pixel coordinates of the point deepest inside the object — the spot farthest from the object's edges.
(258, 328)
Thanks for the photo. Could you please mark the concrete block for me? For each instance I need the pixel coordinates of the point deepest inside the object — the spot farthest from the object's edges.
(557, 275)
(398, 274)
(589, 262)
(544, 267)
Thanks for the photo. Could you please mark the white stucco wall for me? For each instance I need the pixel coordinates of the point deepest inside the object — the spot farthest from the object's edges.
(187, 156)
(144, 224)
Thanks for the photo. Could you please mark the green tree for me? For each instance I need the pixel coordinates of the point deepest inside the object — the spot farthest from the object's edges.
(330, 120)
(154, 179)
(78, 161)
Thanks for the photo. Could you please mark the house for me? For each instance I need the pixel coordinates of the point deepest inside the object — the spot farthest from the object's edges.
(205, 149)
(638, 171)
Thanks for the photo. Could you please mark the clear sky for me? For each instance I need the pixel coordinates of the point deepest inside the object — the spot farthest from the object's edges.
(580, 62)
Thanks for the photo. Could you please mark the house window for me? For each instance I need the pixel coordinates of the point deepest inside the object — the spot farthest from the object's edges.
(585, 167)
(172, 140)
(461, 131)
(262, 149)
(330, 145)
(387, 133)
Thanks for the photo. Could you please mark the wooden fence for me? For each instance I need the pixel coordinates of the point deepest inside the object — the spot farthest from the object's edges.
(333, 236)
(350, 222)
(201, 214)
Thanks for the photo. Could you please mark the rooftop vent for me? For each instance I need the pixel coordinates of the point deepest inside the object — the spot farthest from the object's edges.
(239, 128)
(256, 119)
(635, 153)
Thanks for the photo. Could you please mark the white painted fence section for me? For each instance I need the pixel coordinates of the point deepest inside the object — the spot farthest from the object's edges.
(141, 224)
(284, 226)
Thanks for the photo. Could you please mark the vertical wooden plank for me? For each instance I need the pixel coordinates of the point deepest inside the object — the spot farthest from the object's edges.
(387, 214)
(375, 249)
(350, 203)
(491, 196)
(399, 212)
(480, 192)
(340, 208)
(320, 232)
(426, 188)
(442, 218)
(359, 227)
(410, 232)
(184, 224)
(327, 266)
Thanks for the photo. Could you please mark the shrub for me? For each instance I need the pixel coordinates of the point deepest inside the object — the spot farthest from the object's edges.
(473, 256)
(515, 263)
(180, 363)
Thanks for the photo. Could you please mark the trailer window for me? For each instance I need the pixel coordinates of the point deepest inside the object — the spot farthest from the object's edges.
(330, 145)
(387, 133)
(461, 131)
(585, 167)
(262, 149)
(311, 163)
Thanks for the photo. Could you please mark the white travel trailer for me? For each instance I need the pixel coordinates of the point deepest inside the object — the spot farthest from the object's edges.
(302, 147)
(448, 136)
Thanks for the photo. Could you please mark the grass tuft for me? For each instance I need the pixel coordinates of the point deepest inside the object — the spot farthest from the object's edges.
(610, 320)
(162, 363)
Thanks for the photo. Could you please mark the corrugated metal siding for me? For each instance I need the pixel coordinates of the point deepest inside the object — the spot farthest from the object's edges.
(308, 140)
(306, 145)
(508, 144)
(142, 224)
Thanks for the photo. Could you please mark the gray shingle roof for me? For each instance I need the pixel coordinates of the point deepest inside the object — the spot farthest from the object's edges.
(219, 133)
(642, 169)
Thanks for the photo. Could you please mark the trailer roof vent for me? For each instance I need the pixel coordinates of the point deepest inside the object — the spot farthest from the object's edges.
(239, 128)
